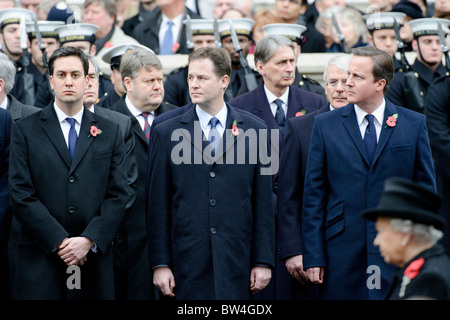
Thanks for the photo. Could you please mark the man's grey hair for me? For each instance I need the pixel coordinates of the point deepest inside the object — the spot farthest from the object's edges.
(7, 71)
(133, 60)
(269, 45)
(421, 233)
(341, 61)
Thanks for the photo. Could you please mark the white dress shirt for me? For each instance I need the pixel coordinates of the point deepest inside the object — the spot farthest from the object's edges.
(378, 115)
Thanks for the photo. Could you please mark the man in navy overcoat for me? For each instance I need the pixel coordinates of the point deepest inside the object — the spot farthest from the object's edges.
(342, 179)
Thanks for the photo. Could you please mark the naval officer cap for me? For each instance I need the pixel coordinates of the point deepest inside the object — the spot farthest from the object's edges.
(291, 31)
(15, 16)
(429, 26)
(384, 20)
(77, 32)
(46, 28)
(243, 27)
(113, 55)
(201, 26)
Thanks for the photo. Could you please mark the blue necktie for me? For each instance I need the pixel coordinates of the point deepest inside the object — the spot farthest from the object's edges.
(214, 135)
(72, 136)
(370, 137)
(167, 43)
(279, 116)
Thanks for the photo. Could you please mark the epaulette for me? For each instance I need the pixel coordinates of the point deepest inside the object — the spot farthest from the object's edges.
(308, 79)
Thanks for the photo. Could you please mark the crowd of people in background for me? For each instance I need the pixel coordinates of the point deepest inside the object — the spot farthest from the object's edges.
(120, 182)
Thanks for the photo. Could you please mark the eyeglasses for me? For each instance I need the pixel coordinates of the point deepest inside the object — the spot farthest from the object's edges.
(334, 82)
(291, 1)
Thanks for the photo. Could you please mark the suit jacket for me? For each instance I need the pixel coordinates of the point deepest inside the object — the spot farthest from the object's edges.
(18, 110)
(54, 197)
(210, 222)
(139, 273)
(256, 102)
(5, 135)
(291, 180)
(340, 183)
(146, 32)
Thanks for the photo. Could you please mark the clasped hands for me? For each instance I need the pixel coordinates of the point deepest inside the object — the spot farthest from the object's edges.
(73, 251)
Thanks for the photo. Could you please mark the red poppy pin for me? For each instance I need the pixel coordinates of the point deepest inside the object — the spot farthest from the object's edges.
(410, 273)
(234, 129)
(392, 120)
(94, 131)
(175, 47)
(300, 113)
(108, 44)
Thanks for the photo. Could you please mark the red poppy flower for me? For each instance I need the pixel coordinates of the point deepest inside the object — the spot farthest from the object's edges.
(414, 267)
(175, 47)
(95, 131)
(300, 113)
(391, 121)
(234, 130)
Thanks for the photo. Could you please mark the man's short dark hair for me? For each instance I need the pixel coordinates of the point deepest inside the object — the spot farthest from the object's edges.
(67, 52)
(219, 57)
(383, 64)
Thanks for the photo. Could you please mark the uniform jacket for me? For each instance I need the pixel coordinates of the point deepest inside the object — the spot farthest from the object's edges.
(210, 222)
(139, 275)
(437, 113)
(425, 77)
(340, 183)
(54, 197)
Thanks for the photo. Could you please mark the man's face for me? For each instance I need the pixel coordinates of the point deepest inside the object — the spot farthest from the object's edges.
(289, 10)
(442, 5)
(430, 48)
(244, 42)
(361, 84)
(146, 91)
(384, 39)
(205, 88)
(203, 40)
(31, 5)
(68, 80)
(50, 45)
(97, 15)
(116, 80)
(323, 5)
(11, 40)
(84, 46)
(335, 87)
(279, 71)
(220, 6)
(91, 94)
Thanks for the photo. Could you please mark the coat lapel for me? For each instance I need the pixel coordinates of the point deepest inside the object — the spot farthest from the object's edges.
(351, 125)
(385, 131)
(52, 129)
(84, 139)
(193, 132)
(228, 138)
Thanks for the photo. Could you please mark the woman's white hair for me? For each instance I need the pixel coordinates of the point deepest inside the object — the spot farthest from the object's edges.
(421, 232)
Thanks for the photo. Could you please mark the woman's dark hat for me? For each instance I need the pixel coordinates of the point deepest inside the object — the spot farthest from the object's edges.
(408, 200)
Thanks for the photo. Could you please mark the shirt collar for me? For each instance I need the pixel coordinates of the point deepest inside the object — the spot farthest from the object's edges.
(133, 109)
(271, 97)
(204, 116)
(378, 113)
(62, 116)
